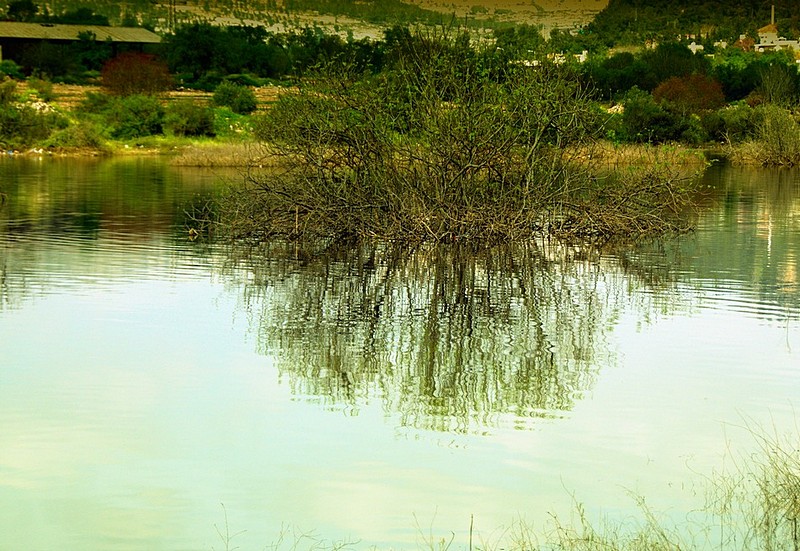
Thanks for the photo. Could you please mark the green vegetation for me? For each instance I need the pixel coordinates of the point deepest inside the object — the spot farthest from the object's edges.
(632, 21)
(240, 99)
(21, 123)
(446, 143)
(126, 117)
(753, 506)
(383, 12)
(187, 118)
(663, 94)
(773, 141)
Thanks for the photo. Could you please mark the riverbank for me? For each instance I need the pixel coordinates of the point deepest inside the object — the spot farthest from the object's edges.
(182, 152)
(250, 152)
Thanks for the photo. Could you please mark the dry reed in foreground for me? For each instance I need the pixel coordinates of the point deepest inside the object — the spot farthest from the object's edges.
(245, 154)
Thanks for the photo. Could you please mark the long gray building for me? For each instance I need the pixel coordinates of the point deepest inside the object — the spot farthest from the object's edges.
(16, 37)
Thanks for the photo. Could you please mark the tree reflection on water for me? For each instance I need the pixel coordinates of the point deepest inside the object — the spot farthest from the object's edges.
(449, 338)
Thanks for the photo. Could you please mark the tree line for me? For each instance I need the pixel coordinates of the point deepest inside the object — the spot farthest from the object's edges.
(633, 22)
(668, 93)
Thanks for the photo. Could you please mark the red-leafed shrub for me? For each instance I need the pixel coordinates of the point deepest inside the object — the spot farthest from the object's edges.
(691, 94)
(134, 73)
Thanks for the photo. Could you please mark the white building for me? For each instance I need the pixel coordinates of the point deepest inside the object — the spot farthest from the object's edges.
(768, 39)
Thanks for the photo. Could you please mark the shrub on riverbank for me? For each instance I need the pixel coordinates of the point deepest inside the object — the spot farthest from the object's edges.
(187, 118)
(776, 140)
(23, 124)
(239, 98)
(124, 117)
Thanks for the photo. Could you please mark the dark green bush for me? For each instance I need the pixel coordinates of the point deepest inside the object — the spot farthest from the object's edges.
(24, 126)
(124, 117)
(187, 118)
(8, 92)
(136, 116)
(83, 134)
(11, 69)
(96, 103)
(44, 89)
(208, 82)
(732, 124)
(245, 79)
(240, 99)
(646, 121)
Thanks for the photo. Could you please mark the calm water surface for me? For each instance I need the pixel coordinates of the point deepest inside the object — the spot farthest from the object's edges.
(152, 387)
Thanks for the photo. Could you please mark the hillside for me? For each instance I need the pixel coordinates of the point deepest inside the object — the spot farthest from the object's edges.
(633, 21)
(357, 18)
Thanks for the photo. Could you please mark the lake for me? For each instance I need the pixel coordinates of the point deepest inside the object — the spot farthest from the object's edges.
(160, 392)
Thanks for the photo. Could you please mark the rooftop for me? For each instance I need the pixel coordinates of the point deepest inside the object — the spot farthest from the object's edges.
(47, 31)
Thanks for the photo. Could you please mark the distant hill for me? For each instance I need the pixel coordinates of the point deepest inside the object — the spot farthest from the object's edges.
(633, 21)
(360, 17)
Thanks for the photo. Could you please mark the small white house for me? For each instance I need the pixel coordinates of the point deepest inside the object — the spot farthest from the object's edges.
(695, 47)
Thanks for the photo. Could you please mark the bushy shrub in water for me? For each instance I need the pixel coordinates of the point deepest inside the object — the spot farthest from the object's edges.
(240, 99)
(775, 140)
(187, 118)
(445, 146)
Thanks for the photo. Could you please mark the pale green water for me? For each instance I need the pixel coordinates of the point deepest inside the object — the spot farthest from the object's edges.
(364, 394)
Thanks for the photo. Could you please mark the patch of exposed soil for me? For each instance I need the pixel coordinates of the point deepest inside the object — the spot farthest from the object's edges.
(68, 96)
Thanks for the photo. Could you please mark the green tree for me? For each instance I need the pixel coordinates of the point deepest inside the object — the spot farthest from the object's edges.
(672, 59)
(187, 118)
(90, 53)
(22, 10)
(240, 99)
(614, 75)
(81, 16)
(135, 116)
(194, 50)
(519, 42)
(780, 84)
(646, 121)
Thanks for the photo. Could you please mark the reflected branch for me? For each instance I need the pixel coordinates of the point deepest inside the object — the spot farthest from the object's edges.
(449, 338)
